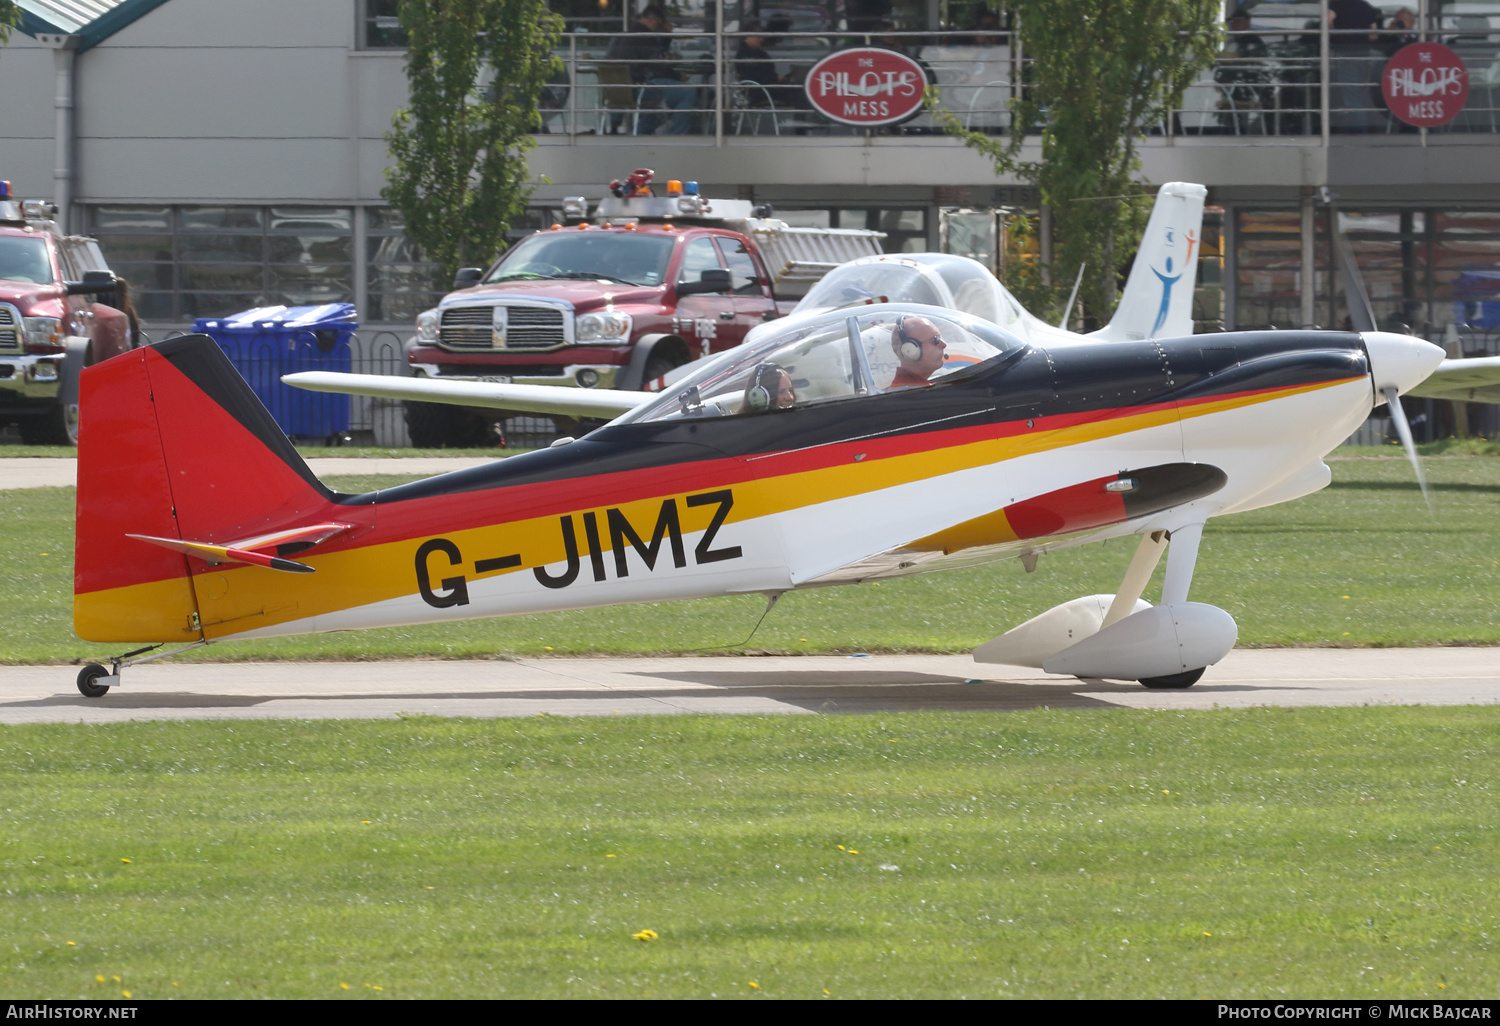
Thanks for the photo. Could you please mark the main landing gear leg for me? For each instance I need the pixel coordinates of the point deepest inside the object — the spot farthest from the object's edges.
(94, 681)
(1137, 576)
(1182, 558)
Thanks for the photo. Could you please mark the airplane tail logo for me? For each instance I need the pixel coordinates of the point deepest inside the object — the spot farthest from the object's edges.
(1158, 297)
(181, 473)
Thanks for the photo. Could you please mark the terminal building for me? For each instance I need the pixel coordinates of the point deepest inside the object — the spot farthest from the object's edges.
(229, 156)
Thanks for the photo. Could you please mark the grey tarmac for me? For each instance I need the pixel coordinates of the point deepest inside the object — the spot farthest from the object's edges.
(732, 685)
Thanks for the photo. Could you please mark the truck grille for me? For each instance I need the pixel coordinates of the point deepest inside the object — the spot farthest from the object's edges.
(10, 329)
(527, 327)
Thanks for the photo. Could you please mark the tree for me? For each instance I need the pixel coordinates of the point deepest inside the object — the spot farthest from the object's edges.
(458, 172)
(10, 17)
(1098, 74)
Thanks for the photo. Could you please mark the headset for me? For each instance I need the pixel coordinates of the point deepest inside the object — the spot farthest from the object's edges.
(758, 397)
(908, 348)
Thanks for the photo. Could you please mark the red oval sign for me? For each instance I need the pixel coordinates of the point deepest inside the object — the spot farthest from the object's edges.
(866, 86)
(1425, 84)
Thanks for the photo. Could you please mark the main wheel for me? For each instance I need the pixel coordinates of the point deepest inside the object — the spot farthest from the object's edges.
(86, 678)
(439, 426)
(1185, 679)
(58, 426)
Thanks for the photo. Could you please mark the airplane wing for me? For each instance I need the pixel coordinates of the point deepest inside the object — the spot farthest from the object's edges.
(1475, 380)
(568, 402)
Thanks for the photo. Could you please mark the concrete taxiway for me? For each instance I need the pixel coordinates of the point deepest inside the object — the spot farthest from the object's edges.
(724, 685)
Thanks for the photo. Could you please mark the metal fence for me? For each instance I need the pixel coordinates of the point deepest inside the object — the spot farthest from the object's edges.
(1264, 83)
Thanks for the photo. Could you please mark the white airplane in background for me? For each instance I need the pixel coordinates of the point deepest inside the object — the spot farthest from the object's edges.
(1157, 303)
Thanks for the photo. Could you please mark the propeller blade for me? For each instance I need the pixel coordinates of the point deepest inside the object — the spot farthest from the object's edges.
(1403, 430)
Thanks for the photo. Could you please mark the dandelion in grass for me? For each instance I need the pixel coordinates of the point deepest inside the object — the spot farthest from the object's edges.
(126, 861)
(754, 985)
(645, 935)
(125, 992)
(99, 978)
(72, 944)
(344, 986)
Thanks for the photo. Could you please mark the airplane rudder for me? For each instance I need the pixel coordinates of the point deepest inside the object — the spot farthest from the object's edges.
(1158, 297)
(123, 590)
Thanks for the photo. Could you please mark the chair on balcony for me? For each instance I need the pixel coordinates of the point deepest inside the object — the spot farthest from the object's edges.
(752, 105)
(619, 99)
(997, 114)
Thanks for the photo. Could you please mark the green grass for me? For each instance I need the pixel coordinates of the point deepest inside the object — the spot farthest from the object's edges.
(1360, 563)
(17, 451)
(1261, 853)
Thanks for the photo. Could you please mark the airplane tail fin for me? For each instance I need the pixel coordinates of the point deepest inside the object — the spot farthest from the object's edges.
(176, 449)
(1158, 297)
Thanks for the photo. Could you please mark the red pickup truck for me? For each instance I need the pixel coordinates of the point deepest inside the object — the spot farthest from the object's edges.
(654, 283)
(58, 314)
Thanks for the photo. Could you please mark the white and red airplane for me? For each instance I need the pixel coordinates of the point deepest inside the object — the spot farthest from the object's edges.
(868, 438)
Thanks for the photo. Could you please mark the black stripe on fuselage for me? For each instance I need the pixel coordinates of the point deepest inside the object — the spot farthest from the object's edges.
(1065, 380)
(202, 362)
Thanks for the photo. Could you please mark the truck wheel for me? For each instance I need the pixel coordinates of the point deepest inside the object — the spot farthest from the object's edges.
(58, 426)
(659, 364)
(440, 426)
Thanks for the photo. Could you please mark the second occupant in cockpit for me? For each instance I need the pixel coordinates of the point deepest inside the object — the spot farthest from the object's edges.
(770, 389)
(919, 346)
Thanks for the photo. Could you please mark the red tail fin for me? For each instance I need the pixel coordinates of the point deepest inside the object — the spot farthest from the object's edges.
(176, 445)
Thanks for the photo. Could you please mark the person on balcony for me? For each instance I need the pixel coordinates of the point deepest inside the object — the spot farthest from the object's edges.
(1356, 62)
(753, 64)
(648, 51)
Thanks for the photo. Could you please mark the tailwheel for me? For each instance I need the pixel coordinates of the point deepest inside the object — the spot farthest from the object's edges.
(1185, 679)
(86, 678)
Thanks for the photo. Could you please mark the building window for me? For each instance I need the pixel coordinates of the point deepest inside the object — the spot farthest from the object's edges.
(400, 281)
(380, 25)
(207, 261)
(1268, 268)
(1431, 272)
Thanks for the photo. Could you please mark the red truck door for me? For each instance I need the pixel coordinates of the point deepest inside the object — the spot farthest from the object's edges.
(753, 303)
(705, 321)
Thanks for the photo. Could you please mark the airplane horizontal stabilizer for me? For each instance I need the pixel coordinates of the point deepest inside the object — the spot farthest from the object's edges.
(568, 402)
(214, 554)
(1475, 380)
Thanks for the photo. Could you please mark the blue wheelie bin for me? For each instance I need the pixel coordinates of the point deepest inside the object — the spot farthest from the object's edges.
(269, 341)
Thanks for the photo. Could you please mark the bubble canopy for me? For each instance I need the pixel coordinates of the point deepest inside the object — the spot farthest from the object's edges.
(934, 279)
(837, 356)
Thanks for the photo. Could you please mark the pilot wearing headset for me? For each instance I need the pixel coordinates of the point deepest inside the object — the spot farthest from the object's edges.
(919, 346)
(770, 388)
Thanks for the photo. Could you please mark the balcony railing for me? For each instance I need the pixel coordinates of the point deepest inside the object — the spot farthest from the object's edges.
(1262, 84)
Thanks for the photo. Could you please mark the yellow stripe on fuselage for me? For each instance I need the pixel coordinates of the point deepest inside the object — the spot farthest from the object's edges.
(244, 598)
